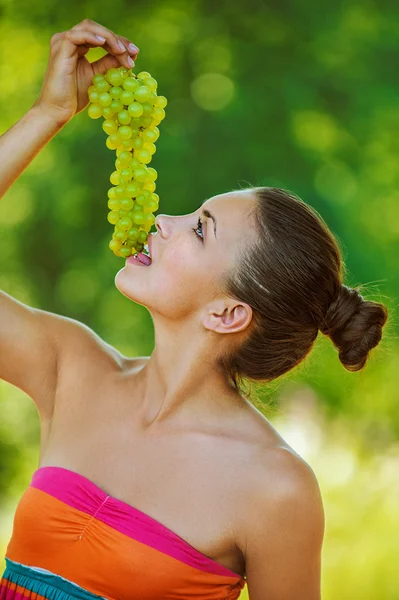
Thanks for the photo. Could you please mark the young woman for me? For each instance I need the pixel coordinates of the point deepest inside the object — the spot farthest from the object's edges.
(157, 477)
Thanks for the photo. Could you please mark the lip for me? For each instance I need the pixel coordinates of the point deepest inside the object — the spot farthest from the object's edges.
(149, 242)
(133, 261)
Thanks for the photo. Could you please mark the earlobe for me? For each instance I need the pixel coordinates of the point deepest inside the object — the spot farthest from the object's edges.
(229, 319)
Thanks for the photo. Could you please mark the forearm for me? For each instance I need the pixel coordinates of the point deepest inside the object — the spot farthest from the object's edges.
(20, 144)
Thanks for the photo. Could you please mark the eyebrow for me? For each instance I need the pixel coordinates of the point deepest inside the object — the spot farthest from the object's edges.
(210, 216)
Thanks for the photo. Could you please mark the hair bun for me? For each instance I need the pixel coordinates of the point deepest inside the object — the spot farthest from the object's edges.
(354, 326)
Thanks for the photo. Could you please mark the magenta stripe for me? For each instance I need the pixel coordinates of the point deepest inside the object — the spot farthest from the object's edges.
(83, 494)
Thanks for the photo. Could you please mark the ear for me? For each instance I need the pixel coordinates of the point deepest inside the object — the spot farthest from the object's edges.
(227, 317)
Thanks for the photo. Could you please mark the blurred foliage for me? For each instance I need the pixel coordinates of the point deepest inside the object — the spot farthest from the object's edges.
(288, 94)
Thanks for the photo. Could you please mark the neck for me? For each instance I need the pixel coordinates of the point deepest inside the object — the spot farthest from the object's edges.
(181, 384)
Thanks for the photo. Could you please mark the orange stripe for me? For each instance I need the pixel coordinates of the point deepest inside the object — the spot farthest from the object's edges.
(103, 561)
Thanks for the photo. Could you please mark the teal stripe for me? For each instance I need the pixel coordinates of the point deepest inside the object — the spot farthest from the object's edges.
(51, 586)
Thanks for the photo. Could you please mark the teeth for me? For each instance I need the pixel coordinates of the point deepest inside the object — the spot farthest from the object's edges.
(147, 249)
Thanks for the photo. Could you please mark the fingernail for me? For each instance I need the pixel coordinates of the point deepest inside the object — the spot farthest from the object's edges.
(101, 38)
(130, 61)
(122, 47)
(133, 48)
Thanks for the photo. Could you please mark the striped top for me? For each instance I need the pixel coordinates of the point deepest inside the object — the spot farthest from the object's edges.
(72, 540)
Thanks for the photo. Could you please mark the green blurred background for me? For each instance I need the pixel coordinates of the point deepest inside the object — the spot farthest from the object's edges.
(288, 94)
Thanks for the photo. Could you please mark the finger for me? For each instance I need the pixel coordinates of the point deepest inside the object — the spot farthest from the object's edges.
(109, 46)
(131, 48)
(103, 64)
(72, 39)
(113, 44)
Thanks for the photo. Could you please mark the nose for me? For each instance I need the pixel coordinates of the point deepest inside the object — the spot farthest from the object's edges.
(160, 224)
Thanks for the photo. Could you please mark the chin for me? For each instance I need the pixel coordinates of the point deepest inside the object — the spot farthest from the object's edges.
(129, 286)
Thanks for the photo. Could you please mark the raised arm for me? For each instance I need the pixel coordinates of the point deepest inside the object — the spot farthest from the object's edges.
(32, 341)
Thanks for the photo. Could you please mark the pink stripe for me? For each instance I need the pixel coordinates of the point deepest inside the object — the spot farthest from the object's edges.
(82, 494)
(11, 594)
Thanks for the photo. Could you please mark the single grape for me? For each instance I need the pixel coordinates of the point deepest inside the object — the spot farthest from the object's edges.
(126, 175)
(138, 218)
(94, 95)
(125, 132)
(143, 197)
(147, 109)
(120, 191)
(126, 97)
(111, 193)
(126, 203)
(116, 105)
(110, 144)
(150, 147)
(114, 204)
(125, 251)
(158, 113)
(115, 178)
(127, 144)
(115, 92)
(124, 156)
(103, 86)
(152, 174)
(125, 223)
(138, 143)
(151, 83)
(151, 207)
(149, 185)
(130, 84)
(135, 128)
(114, 245)
(114, 76)
(150, 219)
(124, 117)
(149, 135)
(94, 111)
(142, 94)
(120, 235)
(160, 101)
(145, 122)
(108, 113)
(143, 74)
(141, 173)
(143, 155)
(132, 189)
(116, 139)
(135, 163)
(113, 217)
(109, 126)
(133, 233)
(135, 109)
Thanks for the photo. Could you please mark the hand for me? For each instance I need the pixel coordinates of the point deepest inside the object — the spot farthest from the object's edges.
(69, 74)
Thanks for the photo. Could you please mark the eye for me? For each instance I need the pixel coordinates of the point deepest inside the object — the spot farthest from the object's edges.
(199, 226)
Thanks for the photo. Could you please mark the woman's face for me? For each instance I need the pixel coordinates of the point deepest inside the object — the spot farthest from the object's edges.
(188, 261)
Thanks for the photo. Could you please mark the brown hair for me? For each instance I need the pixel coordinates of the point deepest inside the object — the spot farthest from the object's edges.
(292, 277)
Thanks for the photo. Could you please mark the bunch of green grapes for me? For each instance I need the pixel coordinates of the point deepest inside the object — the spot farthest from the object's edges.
(132, 110)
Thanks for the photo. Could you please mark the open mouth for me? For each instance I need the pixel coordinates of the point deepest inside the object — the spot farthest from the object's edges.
(141, 258)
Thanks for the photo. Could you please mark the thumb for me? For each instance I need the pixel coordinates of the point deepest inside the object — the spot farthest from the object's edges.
(106, 62)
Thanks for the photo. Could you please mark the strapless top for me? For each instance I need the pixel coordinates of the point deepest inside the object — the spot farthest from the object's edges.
(72, 540)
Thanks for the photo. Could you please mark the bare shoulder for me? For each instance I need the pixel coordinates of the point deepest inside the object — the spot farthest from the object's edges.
(280, 533)
(86, 354)
(282, 542)
(80, 342)
(279, 482)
